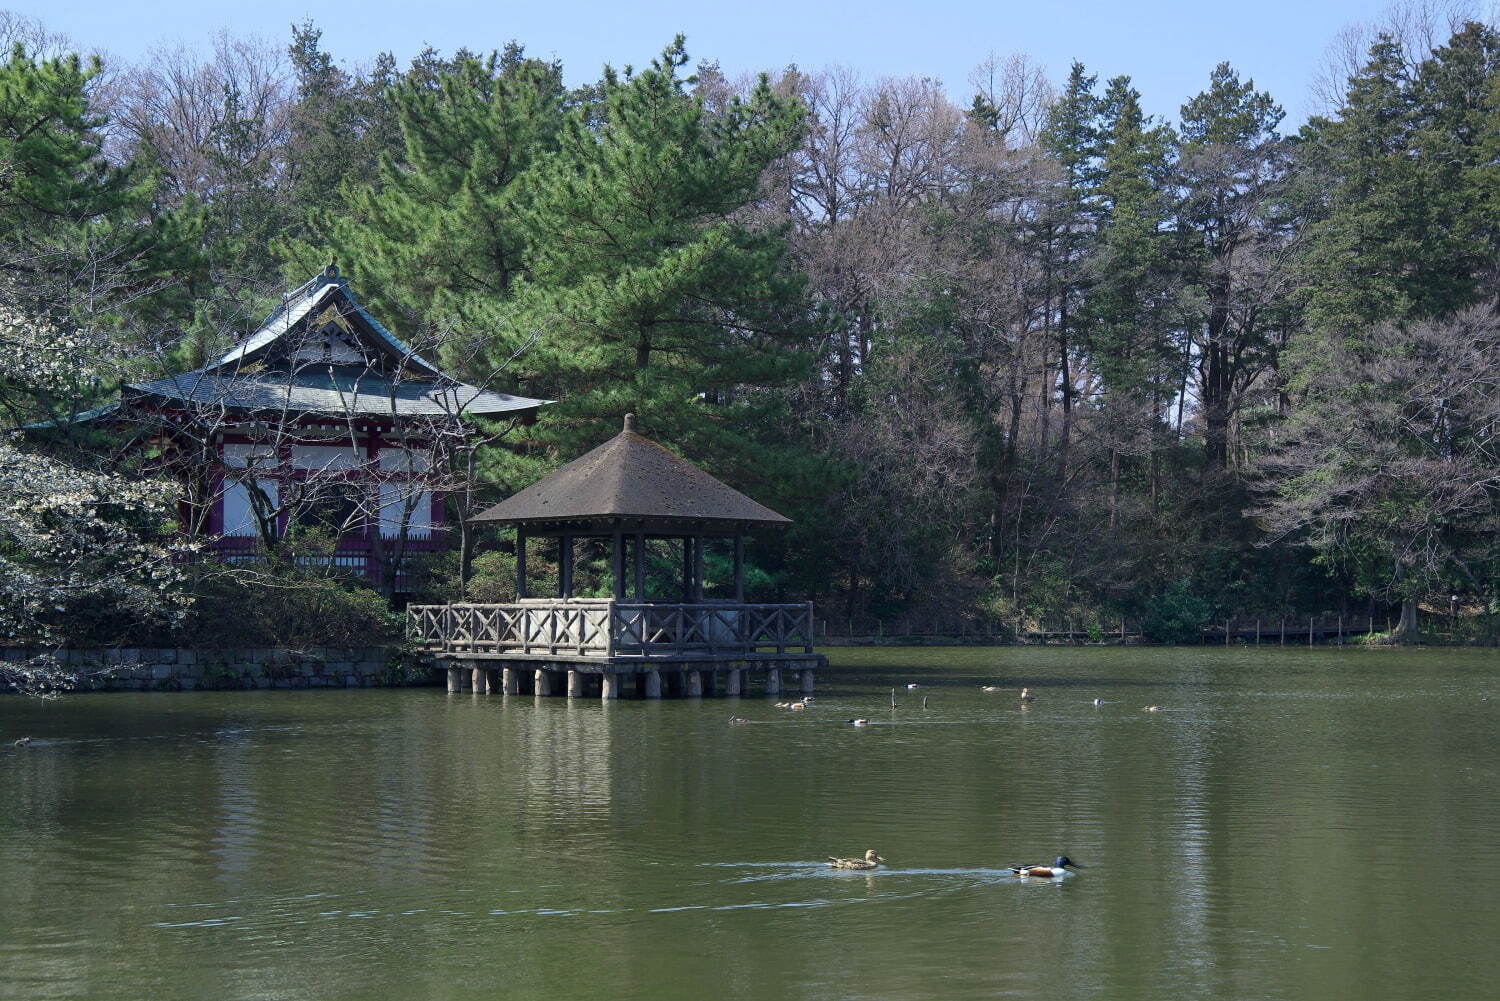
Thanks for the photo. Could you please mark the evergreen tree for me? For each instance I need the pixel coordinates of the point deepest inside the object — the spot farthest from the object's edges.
(1360, 194)
(1071, 139)
(1231, 166)
(341, 125)
(646, 290)
(437, 238)
(80, 239)
(1132, 311)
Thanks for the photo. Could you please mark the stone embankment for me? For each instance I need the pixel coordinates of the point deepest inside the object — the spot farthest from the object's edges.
(144, 669)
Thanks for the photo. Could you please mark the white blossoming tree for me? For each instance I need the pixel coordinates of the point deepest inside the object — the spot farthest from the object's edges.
(81, 249)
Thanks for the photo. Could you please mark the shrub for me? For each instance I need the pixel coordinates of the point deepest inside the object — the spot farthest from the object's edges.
(1176, 616)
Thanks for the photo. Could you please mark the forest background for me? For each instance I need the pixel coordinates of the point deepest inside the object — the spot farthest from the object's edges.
(1025, 358)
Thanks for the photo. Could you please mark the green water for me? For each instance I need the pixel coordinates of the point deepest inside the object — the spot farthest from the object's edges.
(1292, 824)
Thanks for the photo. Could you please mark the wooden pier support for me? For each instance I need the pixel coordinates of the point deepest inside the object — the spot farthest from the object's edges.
(732, 682)
(480, 681)
(455, 679)
(653, 684)
(807, 681)
(576, 685)
(543, 685)
(610, 687)
(694, 684)
(773, 681)
(510, 681)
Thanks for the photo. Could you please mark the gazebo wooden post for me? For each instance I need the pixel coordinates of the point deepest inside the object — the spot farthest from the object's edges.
(640, 565)
(687, 568)
(565, 565)
(520, 563)
(697, 568)
(739, 566)
(617, 564)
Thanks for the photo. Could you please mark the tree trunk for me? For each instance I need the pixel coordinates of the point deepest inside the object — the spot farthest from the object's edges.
(1114, 487)
(1406, 629)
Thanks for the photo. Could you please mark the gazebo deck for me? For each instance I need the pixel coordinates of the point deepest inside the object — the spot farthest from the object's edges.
(536, 639)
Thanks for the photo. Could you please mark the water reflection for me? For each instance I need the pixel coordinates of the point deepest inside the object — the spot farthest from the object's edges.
(1257, 838)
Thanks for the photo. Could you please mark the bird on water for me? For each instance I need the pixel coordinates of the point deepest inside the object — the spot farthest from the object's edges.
(1026, 695)
(737, 720)
(1057, 868)
(860, 722)
(870, 861)
(1152, 709)
(990, 688)
(22, 743)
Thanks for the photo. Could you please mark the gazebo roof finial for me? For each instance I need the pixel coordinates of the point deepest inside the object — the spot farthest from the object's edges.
(630, 424)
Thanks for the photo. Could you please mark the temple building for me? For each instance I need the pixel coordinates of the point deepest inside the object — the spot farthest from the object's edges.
(321, 418)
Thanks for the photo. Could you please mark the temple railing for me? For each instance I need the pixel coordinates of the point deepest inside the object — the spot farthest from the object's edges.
(612, 629)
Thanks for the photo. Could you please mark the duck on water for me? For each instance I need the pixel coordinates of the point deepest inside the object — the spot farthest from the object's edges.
(870, 861)
(1057, 868)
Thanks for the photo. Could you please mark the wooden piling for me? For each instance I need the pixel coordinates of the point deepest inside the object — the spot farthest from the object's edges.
(542, 682)
(576, 685)
(773, 681)
(455, 679)
(694, 681)
(1310, 632)
(479, 680)
(609, 687)
(732, 682)
(653, 684)
(510, 681)
(807, 681)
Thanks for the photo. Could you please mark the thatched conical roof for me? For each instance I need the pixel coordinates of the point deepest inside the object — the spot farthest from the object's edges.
(631, 478)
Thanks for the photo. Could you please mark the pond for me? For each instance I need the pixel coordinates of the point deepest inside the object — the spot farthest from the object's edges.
(1291, 824)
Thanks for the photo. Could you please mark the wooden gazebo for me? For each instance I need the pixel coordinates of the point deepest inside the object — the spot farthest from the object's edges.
(630, 491)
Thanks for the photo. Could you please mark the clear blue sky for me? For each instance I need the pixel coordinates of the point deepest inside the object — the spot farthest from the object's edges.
(1167, 46)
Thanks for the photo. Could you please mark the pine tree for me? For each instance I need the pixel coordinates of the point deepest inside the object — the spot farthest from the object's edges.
(1131, 308)
(437, 238)
(1231, 166)
(80, 239)
(1360, 196)
(1065, 226)
(645, 289)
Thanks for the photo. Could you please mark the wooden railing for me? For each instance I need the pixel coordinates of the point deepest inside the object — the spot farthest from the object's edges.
(610, 629)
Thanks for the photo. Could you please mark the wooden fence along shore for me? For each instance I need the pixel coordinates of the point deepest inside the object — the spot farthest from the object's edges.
(1329, 628)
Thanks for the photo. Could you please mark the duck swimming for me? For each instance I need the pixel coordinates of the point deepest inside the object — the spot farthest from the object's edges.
(1058, 868)
(860, 722)
(870, 861)
(990, 688)
(1026, 695)
(737, 720)
(22, 743)
(1151, 709)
